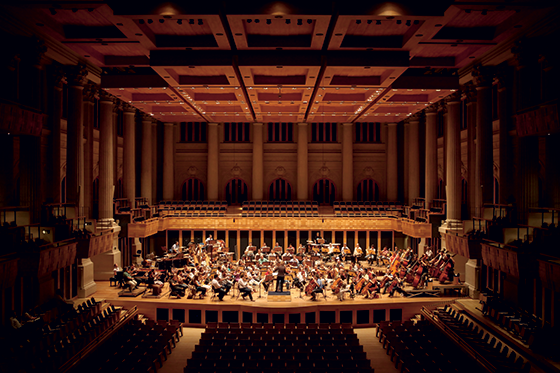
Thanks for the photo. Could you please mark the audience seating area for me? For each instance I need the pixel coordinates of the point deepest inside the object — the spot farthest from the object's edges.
(419, 347)
(58, 336)
(279, 209)
(520, 323)
(501, 357)
(192, 208)
(345, 209)
(139, 346)
(282, 348)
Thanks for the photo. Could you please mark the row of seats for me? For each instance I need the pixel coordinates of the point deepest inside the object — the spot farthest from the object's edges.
(193, 208)
(519, 322)
(344, 209)
(279, 209)
(273, 347)
(483, 342)
(200, 205)
(279, 326)
(63, 340)
(418, 347)
(136, 347)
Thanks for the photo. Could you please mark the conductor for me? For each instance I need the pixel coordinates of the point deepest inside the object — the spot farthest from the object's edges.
(281, 269)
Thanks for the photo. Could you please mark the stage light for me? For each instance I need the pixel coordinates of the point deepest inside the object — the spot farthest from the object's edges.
(399, 21)
(200, 22)
(268, 21)
(179, 21)
(408, 22)
(288, 21)
(150, 21)
(309, 21)
(257, 20)
(249, 21)
(299, 22)
(191, 21)
(369, 21)
(161, 20)
(358, 21)
(378, 22)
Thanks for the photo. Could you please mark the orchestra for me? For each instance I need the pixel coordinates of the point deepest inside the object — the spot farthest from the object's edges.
(318, 268)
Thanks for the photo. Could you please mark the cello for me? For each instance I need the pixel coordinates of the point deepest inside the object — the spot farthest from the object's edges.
(337, 284)
(311, 286)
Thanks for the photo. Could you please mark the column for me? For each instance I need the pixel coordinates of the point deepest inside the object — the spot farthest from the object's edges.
(453, 127)
(56, 177)
(484, 177)
(168, 161)
(302, 163)
(431, 155)
(213, 156)
(75, 135)
(154, 161)
(129, 150)
(406, 127)
(392, 178)
(258, 164)
(106, 182)
(146, 174)
(89, 105)
(505, 156)
(413, 160)
(470, 96)
(347, 163)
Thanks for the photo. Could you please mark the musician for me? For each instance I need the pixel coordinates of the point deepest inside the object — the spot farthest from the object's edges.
(249, 251)
(281, 273)
(199, 285)
(319, 239)
(345, 251)
(209, 239)
(262, 259)
(268, 278)
(319, 288)
(226, 283)
(299, 281)
(371, 254)
(175, 248)
(358, 252)
(218, 288)
(398, 287)
(374, 289)
(244, 288)
(428, 252)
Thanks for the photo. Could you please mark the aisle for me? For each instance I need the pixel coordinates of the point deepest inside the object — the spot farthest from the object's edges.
(178, 358)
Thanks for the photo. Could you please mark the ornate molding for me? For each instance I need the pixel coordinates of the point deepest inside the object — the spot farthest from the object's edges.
(280, 171)
(469, 93)
(76, 75)
(90, 92)
(127, 108)
(324, 171)
(236, 171)
(105, 96)
(482, 76)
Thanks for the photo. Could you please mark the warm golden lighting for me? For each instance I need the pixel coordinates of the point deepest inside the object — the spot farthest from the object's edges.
(389, 9)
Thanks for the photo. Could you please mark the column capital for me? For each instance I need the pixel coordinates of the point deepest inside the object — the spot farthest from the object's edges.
(482, 76)
(258, 123)
(391, 124)
(117, 106)
(76, 75)
(469, 93)
(302, 124)
(144, 117)
(415, 118)
(347, 124)
(154, 122)
(128, 109)
(59, 77)
(169, 124)
(442, 106)
(502, 78)
(105, 96)
(431, 110)
(214, 124)
(454, 98)
(522, 54)
(34, 51)
(90, 91)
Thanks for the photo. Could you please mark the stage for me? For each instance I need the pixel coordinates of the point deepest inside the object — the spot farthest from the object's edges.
(197, 312)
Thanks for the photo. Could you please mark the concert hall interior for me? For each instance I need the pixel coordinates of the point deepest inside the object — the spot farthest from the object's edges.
(287, 175)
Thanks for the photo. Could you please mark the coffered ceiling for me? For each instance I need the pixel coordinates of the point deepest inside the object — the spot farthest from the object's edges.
(341, 61)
